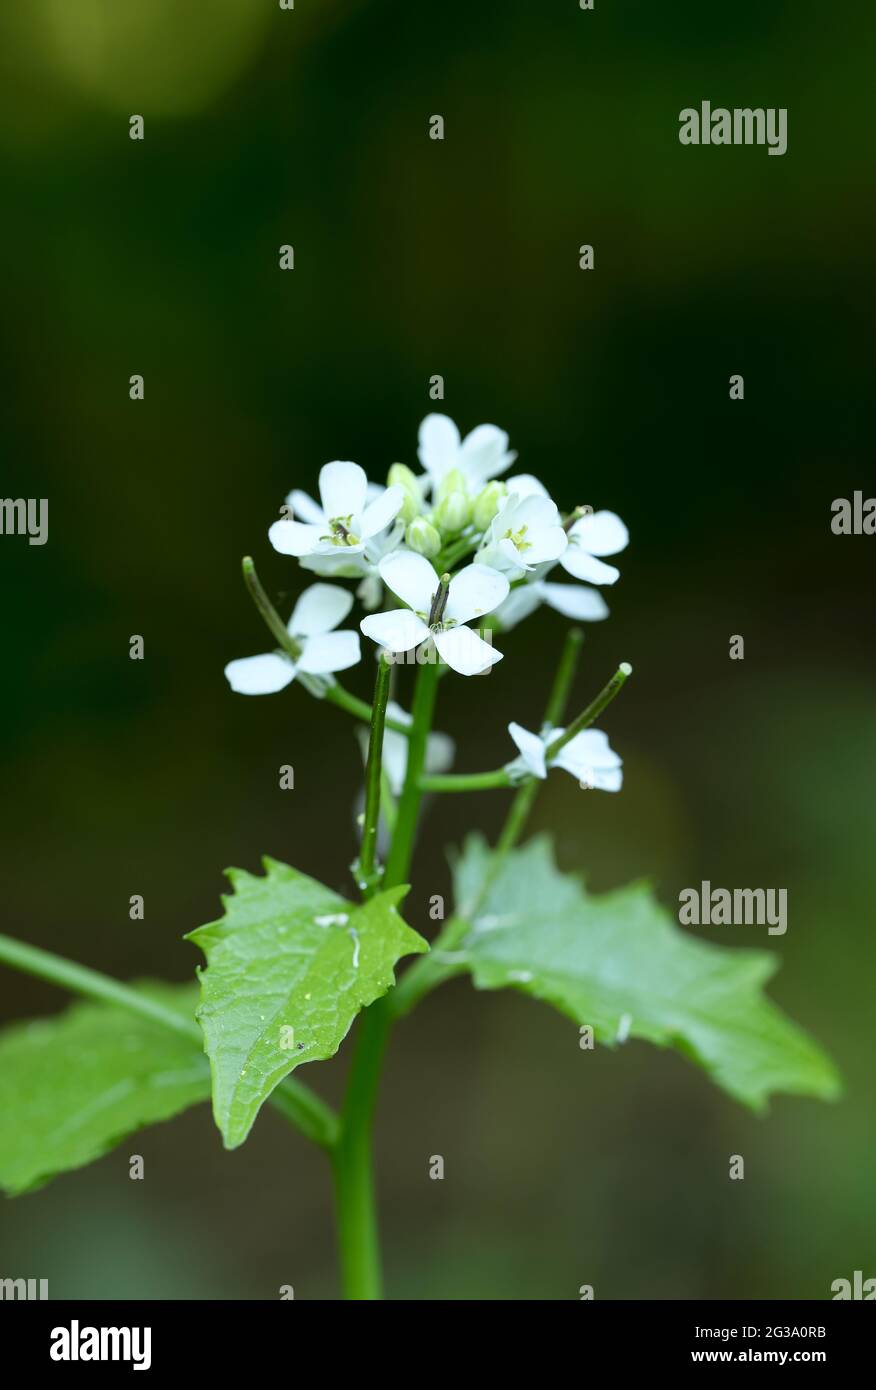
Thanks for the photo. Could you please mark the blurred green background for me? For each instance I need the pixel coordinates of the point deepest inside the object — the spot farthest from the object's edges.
(414, 257)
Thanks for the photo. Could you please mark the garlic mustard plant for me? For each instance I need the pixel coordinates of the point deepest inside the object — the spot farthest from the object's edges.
(442, 561)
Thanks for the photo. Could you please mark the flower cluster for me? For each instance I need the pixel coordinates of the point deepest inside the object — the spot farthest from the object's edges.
(443, 558)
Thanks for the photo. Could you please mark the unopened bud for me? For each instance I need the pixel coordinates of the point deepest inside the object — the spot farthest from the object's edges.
(453, 513)
(422, 537)
(400, 475)
(453, 481)
(487, 504)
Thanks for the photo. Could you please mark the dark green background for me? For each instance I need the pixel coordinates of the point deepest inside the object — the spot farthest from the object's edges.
(461, 258)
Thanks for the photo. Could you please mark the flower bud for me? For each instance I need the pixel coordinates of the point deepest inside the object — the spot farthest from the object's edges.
(452, 513)
(401, 476)
(454, 481)
(487, 504)
(422, 537)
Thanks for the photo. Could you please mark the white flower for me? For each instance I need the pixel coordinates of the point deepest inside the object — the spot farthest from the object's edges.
(525, 532)
(600, 533)
(319, 609)
(345, 521)
(472, 593)
(587, 756)
(439, 749)
(482, 455)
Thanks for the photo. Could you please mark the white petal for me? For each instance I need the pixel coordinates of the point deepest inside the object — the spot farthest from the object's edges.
(504, 557)
(588, 750)
(401, 716)
(319, 609)
(526, 485)
(602, 533)
(384, 542)
(607, 779)
(379, 513)
(342, 487)
(336, 562)
(294, 538)
(411, 577)
(600, 779)
(260, 675)
(329, 651)
(574, 600)
(531, 749)
(536, 512)
(398, 631)
(579, 563)
(465, 651)
(440, 749)
(395, 759)
(476, 590)
(305, 509)
(484, 454)
(546, 546)
(438, 445)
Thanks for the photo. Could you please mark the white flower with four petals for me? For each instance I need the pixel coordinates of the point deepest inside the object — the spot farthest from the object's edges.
(524, 533)
(482, 455)
(346, 521)
(317, 612)
(472, 593)
(587, 756)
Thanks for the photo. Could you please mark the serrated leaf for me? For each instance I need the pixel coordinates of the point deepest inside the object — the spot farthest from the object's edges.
(288, 968)
(620, 963)
(73, 1086)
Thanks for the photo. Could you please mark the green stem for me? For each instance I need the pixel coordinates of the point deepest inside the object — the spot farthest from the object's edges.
(593, 710)
(317, 685)
(565, 676)
(272, 619)
(465, 781)
(301, 1107)
(360, 709)
(367, 873)
(353, 1164)
(456, 551)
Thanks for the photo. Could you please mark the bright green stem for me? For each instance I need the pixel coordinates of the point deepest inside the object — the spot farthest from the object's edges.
(368, 875)
(334, 692)
(301, 1107)
(465, 781)
(457, 551)
(564, 677)
(353, 1163)
(267, 610)
(593, 710)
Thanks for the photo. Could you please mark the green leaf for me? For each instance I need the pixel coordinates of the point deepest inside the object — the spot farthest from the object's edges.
(621, 964)
(288, 968)
(73, 1086)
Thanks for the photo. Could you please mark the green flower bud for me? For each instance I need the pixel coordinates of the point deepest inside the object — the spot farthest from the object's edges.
(487, 504)
(401, 476)
(452, 513)
(454, 481)
(422, 537)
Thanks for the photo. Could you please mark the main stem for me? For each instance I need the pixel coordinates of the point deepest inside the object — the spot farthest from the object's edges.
(352, 1157)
